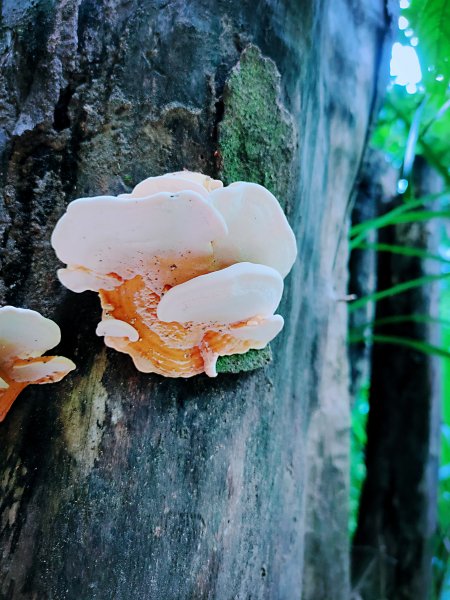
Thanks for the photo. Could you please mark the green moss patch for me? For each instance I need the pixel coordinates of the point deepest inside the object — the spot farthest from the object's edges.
(256, 142)
(256, 135)
(253, 359)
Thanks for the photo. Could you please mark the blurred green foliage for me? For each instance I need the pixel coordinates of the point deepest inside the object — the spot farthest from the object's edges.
(441, 562)
(394, 124)
(430, 22)
(358, 441)
(411, 124)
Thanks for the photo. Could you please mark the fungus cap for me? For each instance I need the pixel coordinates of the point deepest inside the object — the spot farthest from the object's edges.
(25, 333)
(231, 295)
(126, 236)
(24, 336)
(176, 182)
(186, 270)
(258, 230)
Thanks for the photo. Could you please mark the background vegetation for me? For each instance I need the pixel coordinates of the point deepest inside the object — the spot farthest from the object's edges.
(414, 121)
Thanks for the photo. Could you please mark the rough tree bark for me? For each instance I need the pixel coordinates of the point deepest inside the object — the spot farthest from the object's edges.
(121, 485)
(392, 548)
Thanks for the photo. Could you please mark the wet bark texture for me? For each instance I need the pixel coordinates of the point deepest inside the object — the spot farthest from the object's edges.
(116, 484)
(392, 547)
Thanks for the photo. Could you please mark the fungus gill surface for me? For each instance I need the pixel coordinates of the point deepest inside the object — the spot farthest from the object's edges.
(24, 336)
(186, 269)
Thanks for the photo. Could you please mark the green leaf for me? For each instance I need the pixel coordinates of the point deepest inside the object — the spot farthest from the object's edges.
(402, 341)
(430, 20)
(396, 289)
(386, 219)
(404, 250)
(399, 214)
(409, 217)
(435, 160)
(398, 319)
(395, 124)
(417, 216)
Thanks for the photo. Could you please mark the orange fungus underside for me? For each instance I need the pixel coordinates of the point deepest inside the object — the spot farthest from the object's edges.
(9, 394)
(170, 349)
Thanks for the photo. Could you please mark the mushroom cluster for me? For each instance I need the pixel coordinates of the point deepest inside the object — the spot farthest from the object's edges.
(24, 336)
(187, 270)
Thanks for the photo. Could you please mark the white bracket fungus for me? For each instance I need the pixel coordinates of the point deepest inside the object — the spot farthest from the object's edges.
(24, 336)
(186, 269)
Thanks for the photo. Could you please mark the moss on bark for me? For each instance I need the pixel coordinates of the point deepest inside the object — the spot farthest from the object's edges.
(256, 140)
(256, 135)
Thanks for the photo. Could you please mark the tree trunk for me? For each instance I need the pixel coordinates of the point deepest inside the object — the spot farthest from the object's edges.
(392, 549)
(117, 484)
(376, 186)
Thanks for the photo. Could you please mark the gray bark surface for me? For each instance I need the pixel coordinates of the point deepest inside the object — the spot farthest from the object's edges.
(116, 484)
